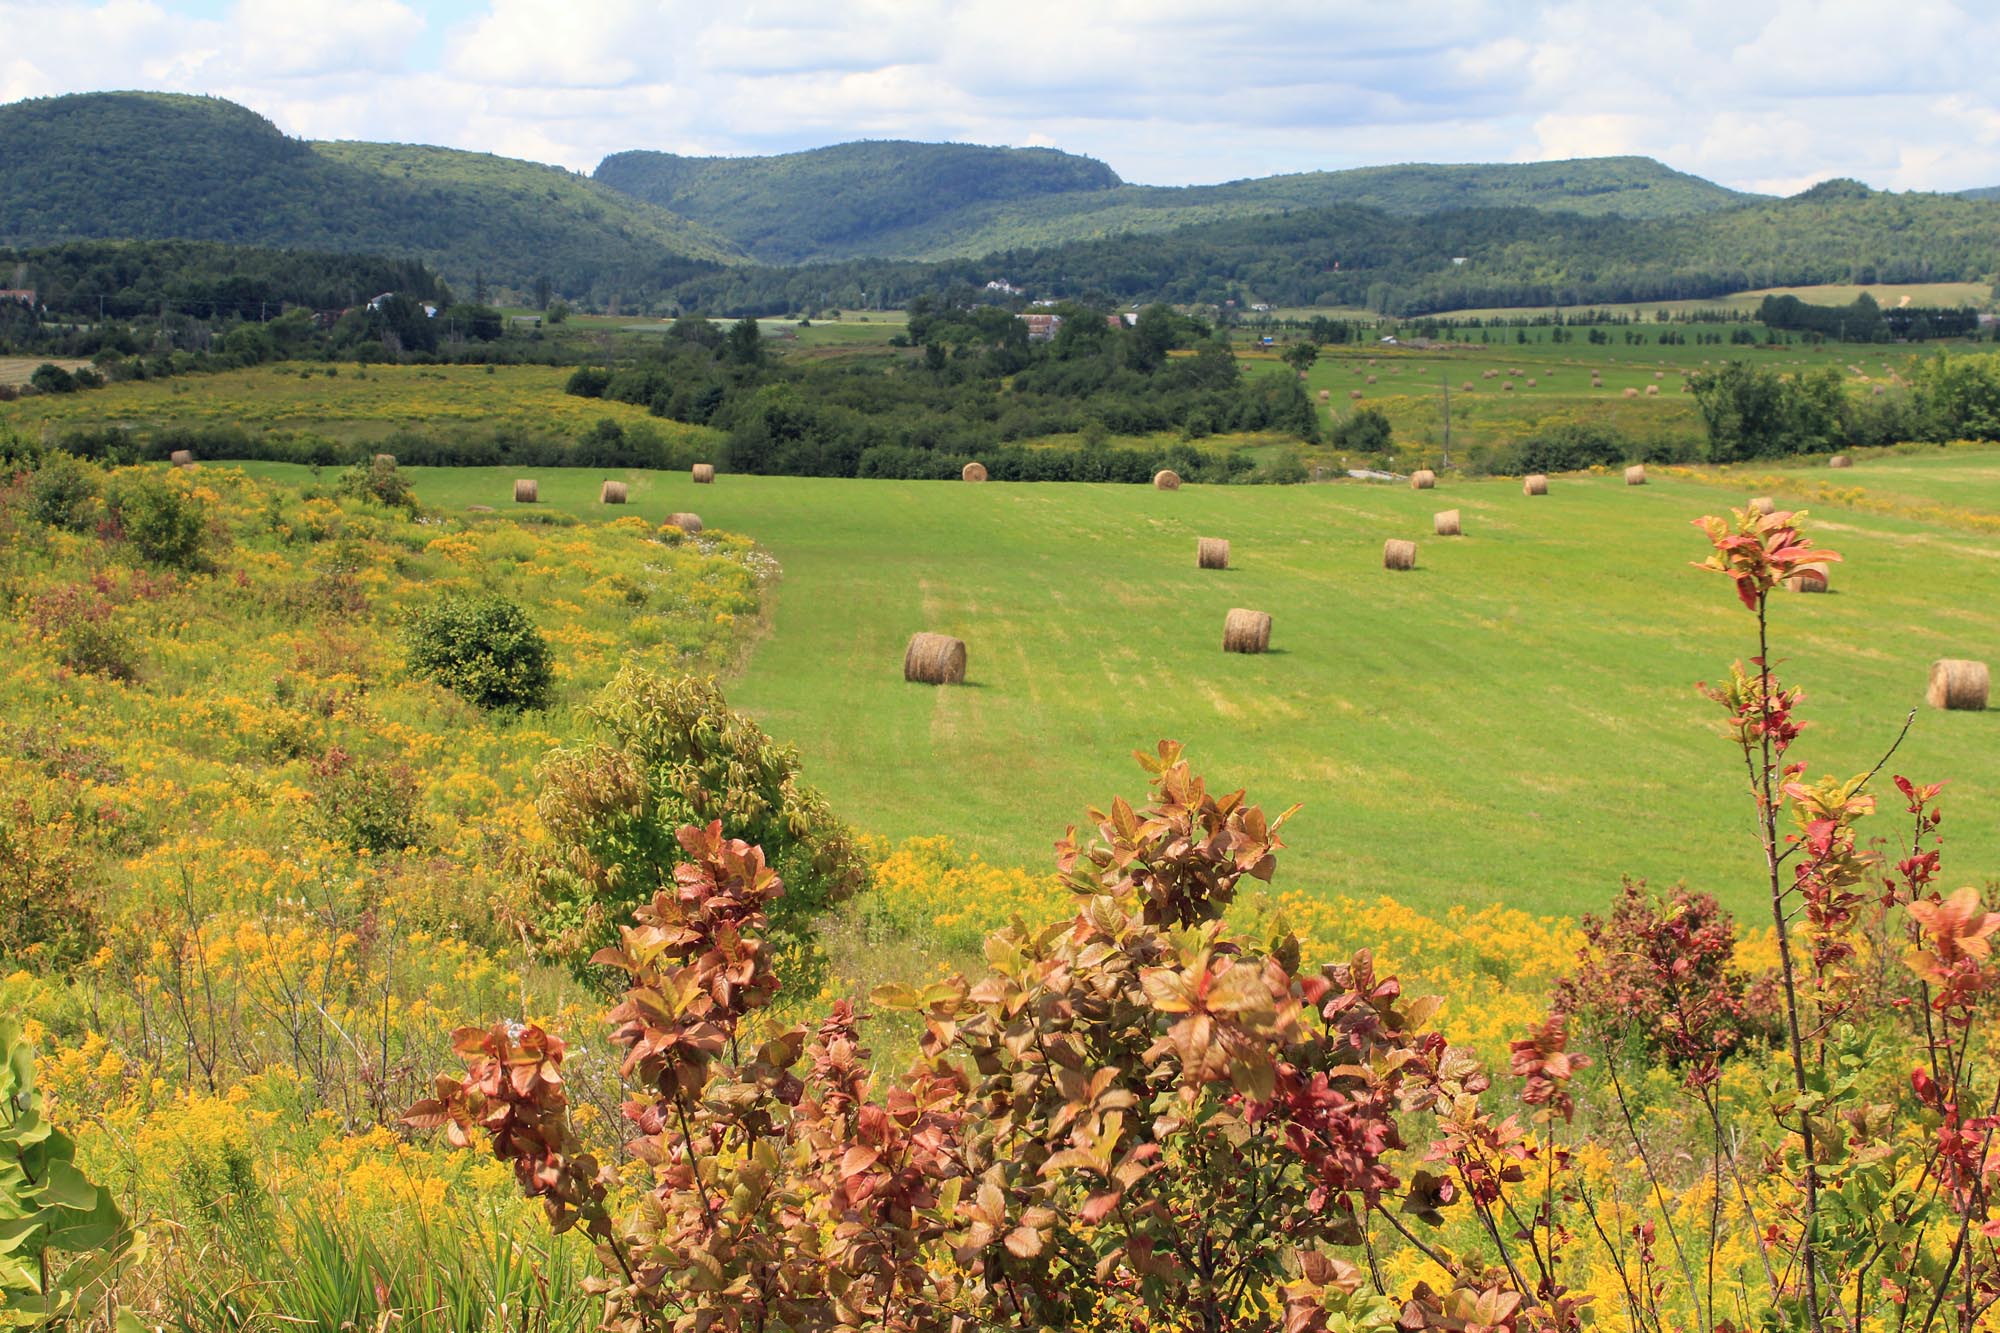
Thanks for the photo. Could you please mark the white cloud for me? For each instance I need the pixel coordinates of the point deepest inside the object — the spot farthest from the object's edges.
(1761, 96)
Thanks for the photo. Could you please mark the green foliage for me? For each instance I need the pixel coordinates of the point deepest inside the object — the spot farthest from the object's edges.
(1756, 412)
(677, 754)
(60, 492)
(1958, 397)
(380, 480)
(484, 649)
(162, 519)
(1365, 432)
(48, 911)
(48, 1209)
(366, 805)
(162, 166)
(930, 201)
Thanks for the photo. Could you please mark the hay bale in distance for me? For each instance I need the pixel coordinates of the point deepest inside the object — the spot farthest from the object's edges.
(1325, 394)
(1507, 386)
(1761, 504)
(1840, 460)
(1531, 381)
(1808, 578)
(1446, 523)
(1399, 554)
(1423, 479)
(1354, 393)
(611, 493)
(1371, 379)
(1466, 387)
(525, 492)
(1958, 684)
(1652, 391)
(1535, 483)
(1211, 553)
(704, 473)
(686, 522)
(1635, 475)
(1631, 392)
(972, 472)
(1166, 479)
(181, 458)
(1246, 631)
(934, 659)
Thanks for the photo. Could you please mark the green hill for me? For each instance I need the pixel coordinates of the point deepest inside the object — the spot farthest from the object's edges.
(148, 166)
(938, 201)
(846, 199)
(1352, 256)
(1985, 192)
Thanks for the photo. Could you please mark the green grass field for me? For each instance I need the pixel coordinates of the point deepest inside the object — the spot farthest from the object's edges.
(1513, 721)
(1886, 294)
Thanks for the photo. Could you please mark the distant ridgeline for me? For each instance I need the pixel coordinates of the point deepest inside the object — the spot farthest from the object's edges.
(1862, 320)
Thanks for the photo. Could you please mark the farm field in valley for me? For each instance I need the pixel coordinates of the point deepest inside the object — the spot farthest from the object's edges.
(1514, 721)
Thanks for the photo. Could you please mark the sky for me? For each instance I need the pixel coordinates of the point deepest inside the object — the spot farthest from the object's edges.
(1766, 95)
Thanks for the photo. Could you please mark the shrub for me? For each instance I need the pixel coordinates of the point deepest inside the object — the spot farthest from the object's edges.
(48, 915)
(677, 755)
(1366, 432)
(380, 480)
(484, 649)
(162, 520)
(77, 620)
(364, 805)
(60, 492)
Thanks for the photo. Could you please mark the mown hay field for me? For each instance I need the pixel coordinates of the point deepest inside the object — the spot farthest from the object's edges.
(1513, 722)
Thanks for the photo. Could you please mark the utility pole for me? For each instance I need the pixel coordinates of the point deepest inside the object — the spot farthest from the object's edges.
(1444, 381)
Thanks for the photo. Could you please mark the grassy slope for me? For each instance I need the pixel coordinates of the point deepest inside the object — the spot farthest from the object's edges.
(1514, 721)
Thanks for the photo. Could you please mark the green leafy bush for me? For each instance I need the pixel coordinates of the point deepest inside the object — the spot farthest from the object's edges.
(677, 755)
(364, 805)
(484, 649)
(60, 492)
(379, 480)
(49, 1208)
(164, 522)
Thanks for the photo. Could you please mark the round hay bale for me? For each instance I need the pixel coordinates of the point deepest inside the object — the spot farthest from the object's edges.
(1489, 374)
(1535, 483)
(1761, 504)
(1958, 684)
(688, 523)
(1659, 374)
(386, 460)
(1246, 631)
(1166, 479)
(704, 473)
(1446, 523)
(1466, 387)
(1423, 479)
(1631, 392)
(1840, 460)
(1531, 381)
(1399, 554)
(1635, 475)
(1354, 393)
(1652, 391)
(934, 659)
(181, 458)
(1515, 372)
(972, 472)
(1809, 578)
(1211, 553)
(611, 493)
(1507, 386)
(1371, 379)
(525, 492)
(1325, 395)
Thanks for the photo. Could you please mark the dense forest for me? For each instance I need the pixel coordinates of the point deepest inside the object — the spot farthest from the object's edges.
(1361, 257)
(156, 166)
(124, 279)
(941, 201)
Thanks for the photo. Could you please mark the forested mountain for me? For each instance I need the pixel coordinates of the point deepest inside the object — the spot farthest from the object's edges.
(939, 201)
(157, 166)
(849, 199)
(1840, 231)
(1984, 192)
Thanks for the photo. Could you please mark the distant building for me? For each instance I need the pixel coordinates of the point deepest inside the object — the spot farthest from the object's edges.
(25, 295)
(1261, 306)
(1005, 288)
(1458, 259)
(1041, 328)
